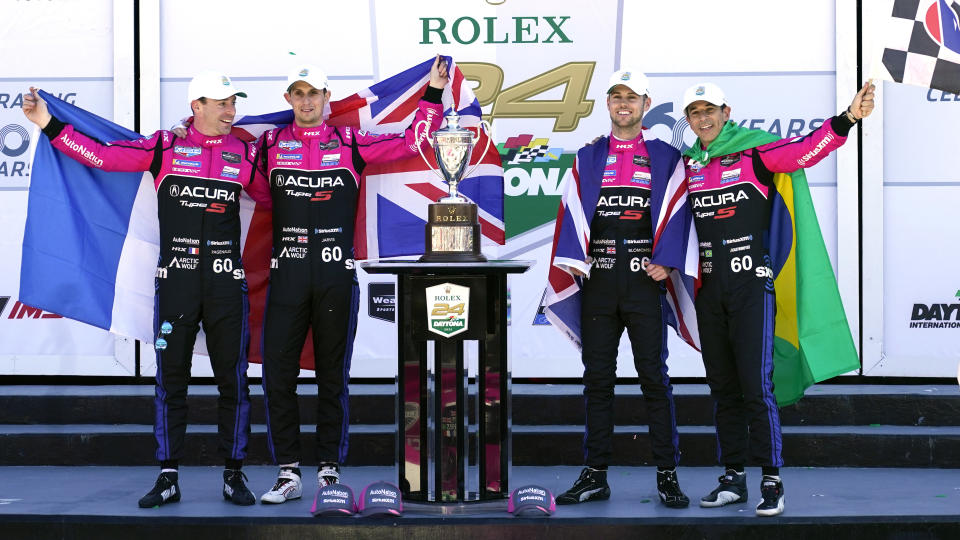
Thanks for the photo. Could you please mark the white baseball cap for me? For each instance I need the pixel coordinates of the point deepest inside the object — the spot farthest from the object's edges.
(633, 79)
(311, 75)
(212, 85)
(708, 92)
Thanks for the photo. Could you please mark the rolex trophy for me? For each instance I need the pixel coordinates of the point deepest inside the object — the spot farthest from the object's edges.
(453, 230)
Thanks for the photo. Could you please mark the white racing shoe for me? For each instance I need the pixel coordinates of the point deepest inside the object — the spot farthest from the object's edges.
(288, 487)
(328, 474)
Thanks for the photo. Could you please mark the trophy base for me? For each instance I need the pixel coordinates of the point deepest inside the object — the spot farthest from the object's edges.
(452, 257)
(452, 233)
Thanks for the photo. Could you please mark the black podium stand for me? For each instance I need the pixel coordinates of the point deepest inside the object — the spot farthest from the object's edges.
(450, 303)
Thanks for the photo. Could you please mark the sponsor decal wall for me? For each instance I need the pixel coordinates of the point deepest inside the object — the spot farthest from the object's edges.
(65, 48)
(540, 69)
(543, 67)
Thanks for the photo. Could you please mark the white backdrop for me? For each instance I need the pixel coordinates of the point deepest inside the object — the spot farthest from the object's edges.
(921, 192)
(66, 48)
(911, 190)
(543, 67)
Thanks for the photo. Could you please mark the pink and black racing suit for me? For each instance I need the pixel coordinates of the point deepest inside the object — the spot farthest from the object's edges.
(200, 278)
(731, 198)
(314, 176)
(620, 295)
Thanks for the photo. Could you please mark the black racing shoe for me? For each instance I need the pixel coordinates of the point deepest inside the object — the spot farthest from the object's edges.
(591, 486)
(669, 489)
(234, 488)
(772, 489)
(732, 489)
(166, 490)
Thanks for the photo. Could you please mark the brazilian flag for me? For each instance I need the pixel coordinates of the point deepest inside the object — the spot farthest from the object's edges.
(812, 340)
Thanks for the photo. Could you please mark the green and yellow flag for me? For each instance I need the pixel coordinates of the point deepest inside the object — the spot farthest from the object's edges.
(812, 340)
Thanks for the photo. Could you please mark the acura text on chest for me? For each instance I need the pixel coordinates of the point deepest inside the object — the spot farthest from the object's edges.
(211, 198)
(290, 182)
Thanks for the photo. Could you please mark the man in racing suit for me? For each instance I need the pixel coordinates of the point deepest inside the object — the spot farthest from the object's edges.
(200, 278)
(314, 172)
(624, 291)
(730, 181)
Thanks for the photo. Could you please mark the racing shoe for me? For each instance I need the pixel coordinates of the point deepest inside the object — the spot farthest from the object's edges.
(166, 490)
(288, 487)
(591, 486)
(772, 489)
(234, 488)
(669, 489)
(732, 489)
(329, 473)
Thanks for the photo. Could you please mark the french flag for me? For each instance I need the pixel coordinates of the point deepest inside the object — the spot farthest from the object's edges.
(91, 241)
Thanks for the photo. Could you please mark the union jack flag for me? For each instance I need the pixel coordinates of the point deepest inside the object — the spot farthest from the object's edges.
(674, 239)
(392, 206)
(392, 210)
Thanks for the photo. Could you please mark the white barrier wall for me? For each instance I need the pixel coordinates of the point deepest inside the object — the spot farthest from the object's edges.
(921, 191)
(67, 49)
(910, 189)
(542, 67)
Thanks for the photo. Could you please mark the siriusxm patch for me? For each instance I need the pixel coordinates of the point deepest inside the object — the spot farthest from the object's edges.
(187, 163)
(230, 172)
(230, 157)
(611, 159)
(186, 151)
(295, 157)
(729, 176)
(640, 177)
(330, 159)
(290, 145)
(643, 161)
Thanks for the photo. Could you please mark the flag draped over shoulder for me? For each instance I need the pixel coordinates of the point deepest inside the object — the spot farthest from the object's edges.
(812, 340)
(674, 241)
(392, 204)
(92, 240)
(921, 45)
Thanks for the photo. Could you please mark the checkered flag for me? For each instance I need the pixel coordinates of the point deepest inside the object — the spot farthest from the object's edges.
(526, 155)
(922, 44)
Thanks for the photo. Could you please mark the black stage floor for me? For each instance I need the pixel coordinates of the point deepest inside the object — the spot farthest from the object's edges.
(101, 502)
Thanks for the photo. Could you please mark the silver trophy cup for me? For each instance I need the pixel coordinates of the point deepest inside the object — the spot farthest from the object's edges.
(453, 229)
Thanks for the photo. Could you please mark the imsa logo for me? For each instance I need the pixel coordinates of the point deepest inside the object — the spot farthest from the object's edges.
(448, 308)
